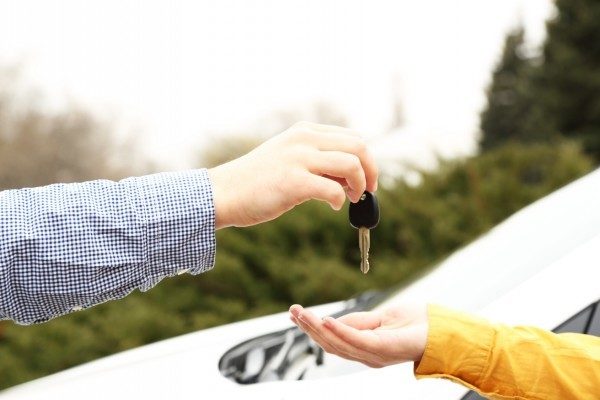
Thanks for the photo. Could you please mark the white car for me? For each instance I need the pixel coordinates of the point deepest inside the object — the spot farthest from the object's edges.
(540, 267)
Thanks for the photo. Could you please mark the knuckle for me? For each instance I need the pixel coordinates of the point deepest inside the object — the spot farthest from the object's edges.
(302, 126)
(354, 163)
(295, 154)
(360, 146)
(294, 175)
(303, 131)
(304, 154)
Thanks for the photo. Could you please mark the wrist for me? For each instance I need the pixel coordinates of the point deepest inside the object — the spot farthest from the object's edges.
(221, 180)
(420, 342)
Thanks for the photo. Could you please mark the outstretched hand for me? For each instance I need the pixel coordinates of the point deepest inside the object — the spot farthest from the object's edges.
(307, 161)
(375, 338)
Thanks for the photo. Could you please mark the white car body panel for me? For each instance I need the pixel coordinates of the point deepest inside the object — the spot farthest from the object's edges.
(539, 267)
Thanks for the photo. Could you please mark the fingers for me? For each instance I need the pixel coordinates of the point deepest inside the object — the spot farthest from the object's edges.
(326, 343)
(351, 144)
(321, 188)
(335, 138)
(360, 339)
(295, 309)
(361, 320)
(325, 338)
(338, 164)
(313, 331)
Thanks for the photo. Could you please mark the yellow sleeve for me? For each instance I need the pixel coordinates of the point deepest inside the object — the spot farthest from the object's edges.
(502, 362)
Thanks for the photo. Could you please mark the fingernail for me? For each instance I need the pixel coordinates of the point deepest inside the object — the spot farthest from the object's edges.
(294, 310)
(328, 321)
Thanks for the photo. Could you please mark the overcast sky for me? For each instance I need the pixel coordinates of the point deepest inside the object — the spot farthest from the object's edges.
(175, 70)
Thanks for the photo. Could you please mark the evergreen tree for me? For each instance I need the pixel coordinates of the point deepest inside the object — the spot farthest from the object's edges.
(508, 101)
(555, 95)
(567, 84)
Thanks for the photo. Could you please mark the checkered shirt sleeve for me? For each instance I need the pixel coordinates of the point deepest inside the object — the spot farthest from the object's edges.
(66, 247)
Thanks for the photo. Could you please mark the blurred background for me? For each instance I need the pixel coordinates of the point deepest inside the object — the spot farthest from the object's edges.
(472, 109)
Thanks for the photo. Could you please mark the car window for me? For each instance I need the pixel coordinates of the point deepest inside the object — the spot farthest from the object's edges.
(594, 325)
(577, 323)
(585, 321)
(472, 396)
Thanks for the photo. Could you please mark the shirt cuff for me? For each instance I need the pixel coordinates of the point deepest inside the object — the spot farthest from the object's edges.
(180, 224)
(458, 347)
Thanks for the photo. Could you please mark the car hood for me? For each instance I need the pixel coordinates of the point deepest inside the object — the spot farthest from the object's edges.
(187, 367)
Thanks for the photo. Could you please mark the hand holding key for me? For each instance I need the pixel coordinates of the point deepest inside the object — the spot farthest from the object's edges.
(308, 161)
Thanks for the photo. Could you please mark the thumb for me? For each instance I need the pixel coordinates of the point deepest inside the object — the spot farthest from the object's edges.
(324, 189)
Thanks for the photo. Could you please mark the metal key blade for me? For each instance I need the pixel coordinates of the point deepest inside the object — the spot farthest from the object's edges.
(364, 243)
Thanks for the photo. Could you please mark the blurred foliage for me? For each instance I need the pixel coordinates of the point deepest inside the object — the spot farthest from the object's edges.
(39, 148)
(309, 256)
(556, 93)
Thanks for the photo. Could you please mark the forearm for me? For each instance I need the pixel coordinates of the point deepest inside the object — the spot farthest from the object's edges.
(68, 246)
(510, 362)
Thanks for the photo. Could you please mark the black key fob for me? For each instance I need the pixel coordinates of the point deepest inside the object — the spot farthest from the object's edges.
(364, 213)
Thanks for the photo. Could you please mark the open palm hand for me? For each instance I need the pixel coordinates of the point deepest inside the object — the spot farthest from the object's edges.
(374, 338)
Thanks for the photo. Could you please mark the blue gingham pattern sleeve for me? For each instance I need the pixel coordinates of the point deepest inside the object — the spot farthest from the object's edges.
(66, 247)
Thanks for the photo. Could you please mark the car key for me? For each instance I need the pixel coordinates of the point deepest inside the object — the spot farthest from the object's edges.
(364, 215)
